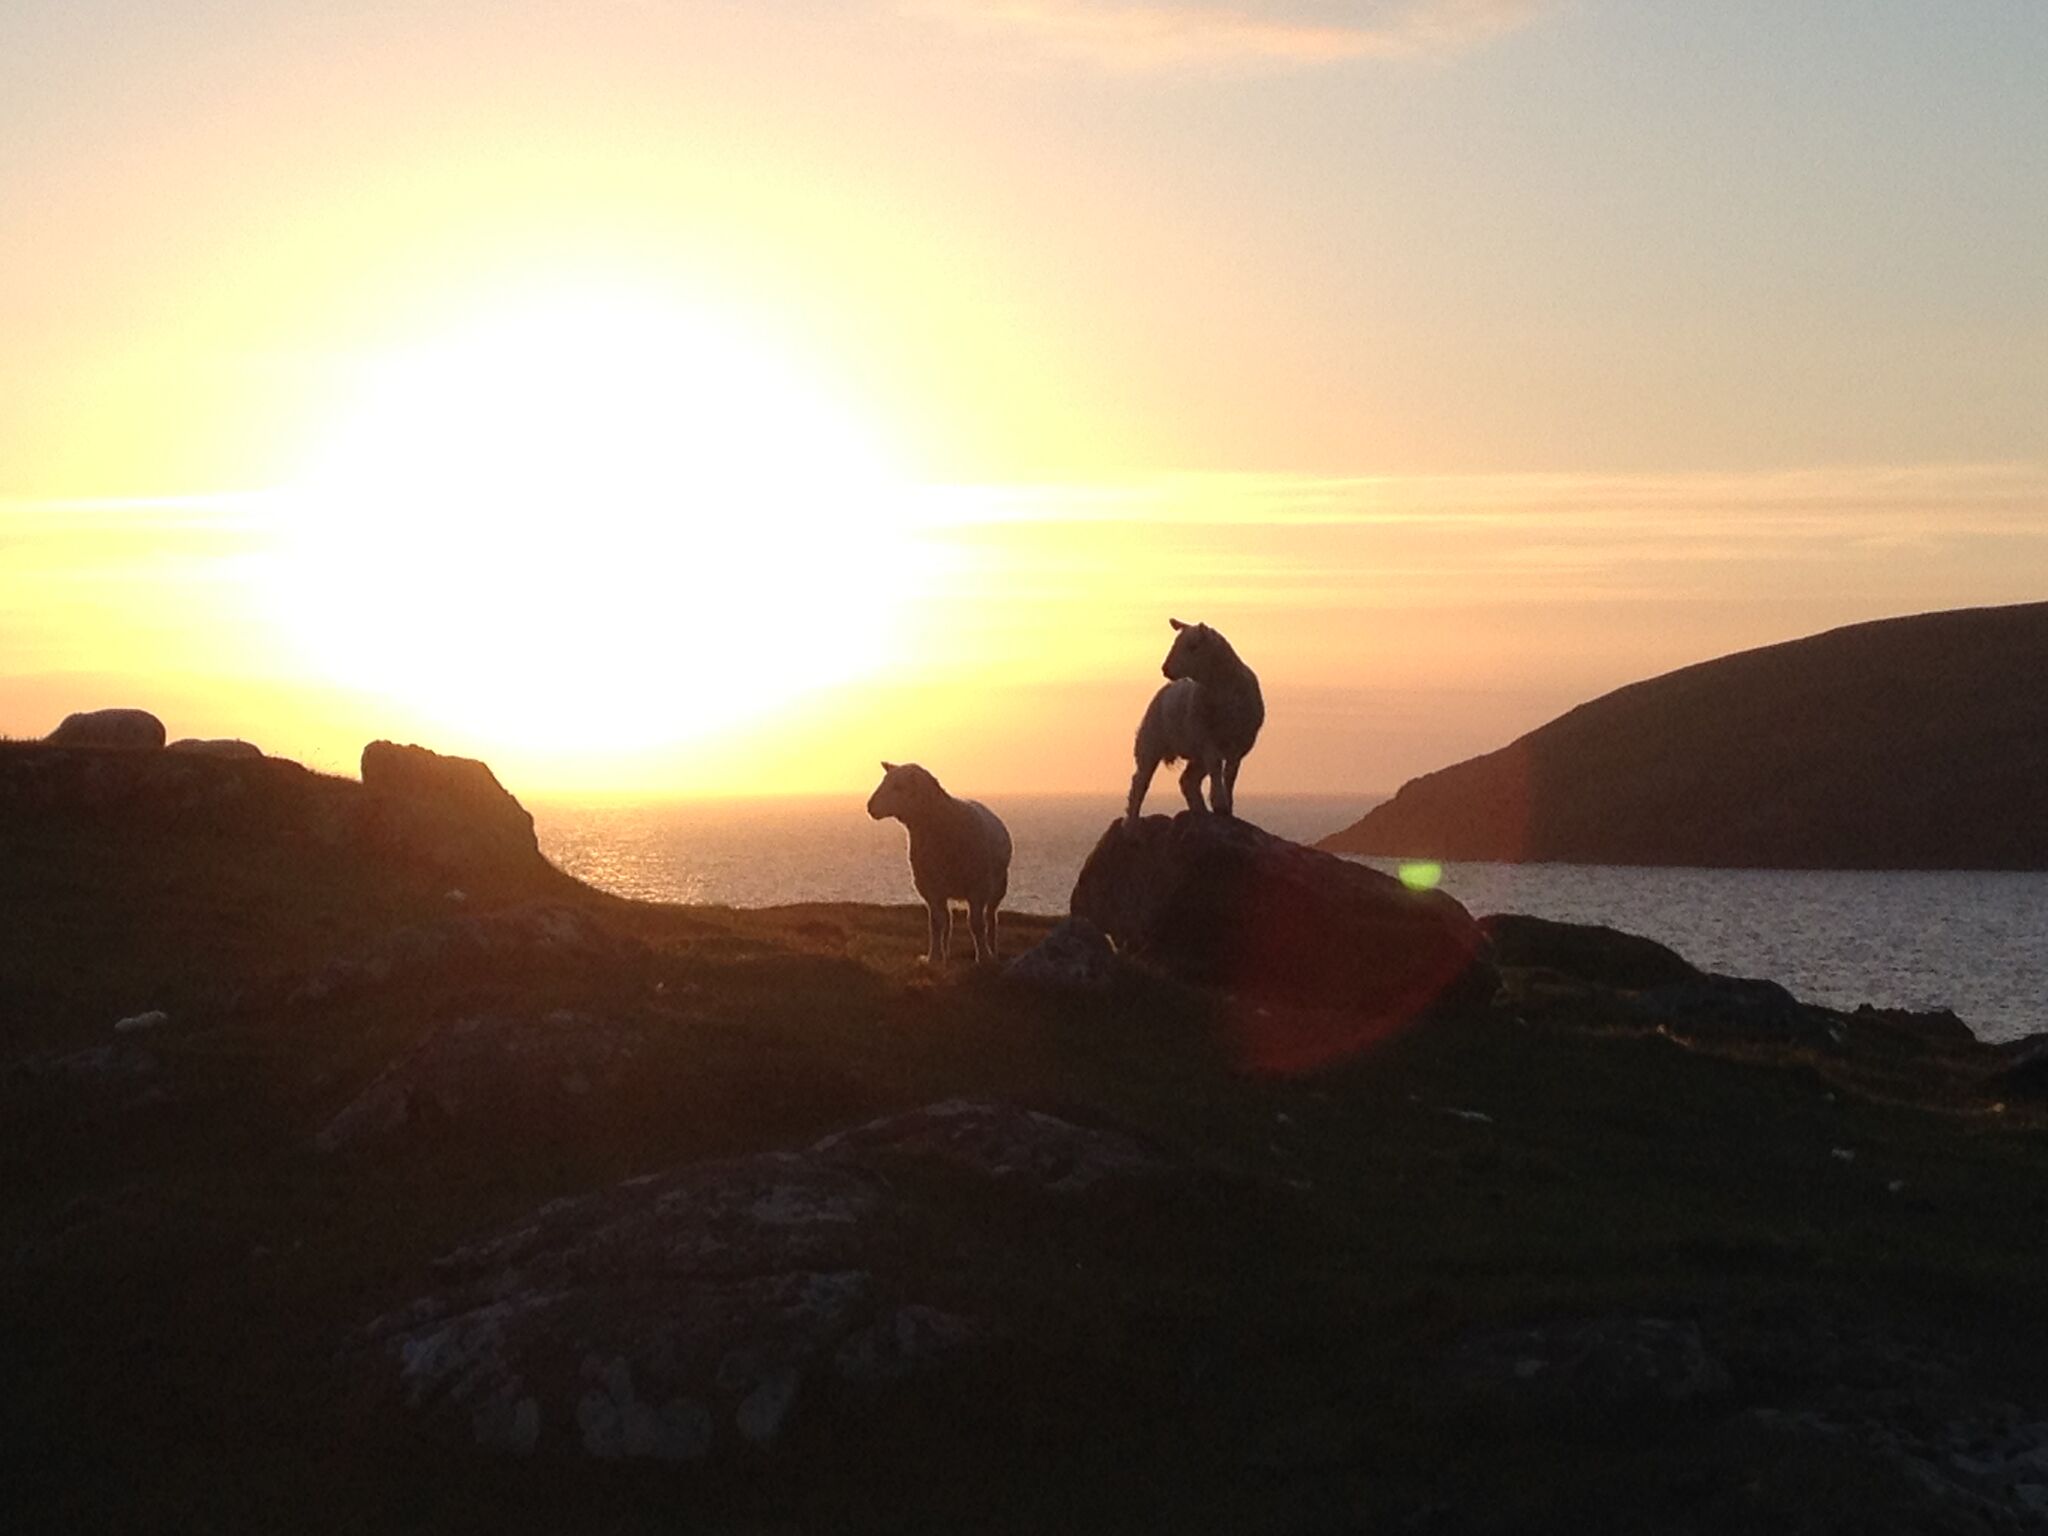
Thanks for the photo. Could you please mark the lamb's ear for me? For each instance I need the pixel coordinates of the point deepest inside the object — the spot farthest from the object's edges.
(888, 767)
(1176, 623)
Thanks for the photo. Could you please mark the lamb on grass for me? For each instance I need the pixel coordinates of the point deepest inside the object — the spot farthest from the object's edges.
(958, 849)
(1209, 714)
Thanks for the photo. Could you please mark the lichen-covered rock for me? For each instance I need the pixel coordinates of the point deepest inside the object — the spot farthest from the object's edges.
(132, 730)
(711, 1308)
(899, 1345)
(1613, 1363)
(998, 1142)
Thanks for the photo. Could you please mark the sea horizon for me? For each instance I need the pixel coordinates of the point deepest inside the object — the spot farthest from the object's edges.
(1974, 942)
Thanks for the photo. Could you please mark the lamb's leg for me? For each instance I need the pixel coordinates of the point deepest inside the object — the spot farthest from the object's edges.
(940, 913)
(1140, 782)
(1191, 784)
(977, 921)
(992, 954)
(1223, 789)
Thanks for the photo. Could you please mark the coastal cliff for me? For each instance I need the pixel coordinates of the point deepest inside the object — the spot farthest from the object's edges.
(1912, 743)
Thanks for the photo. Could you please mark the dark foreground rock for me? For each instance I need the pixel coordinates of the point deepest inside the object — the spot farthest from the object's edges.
(2023, 1069)
(1218, 902)
(1589, 952)
(1613, 1363)
(1900, 1416)
(1598, 975)
(520, 1070)
(702, 1311)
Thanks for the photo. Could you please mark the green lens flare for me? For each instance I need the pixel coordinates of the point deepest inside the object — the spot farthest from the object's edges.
(1421, 874)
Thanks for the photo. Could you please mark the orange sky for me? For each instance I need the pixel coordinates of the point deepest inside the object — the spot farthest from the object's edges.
(695, 397)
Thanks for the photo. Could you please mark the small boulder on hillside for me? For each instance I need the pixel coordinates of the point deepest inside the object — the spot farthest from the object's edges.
(1218, 902)
(134, 730)
(223, 746)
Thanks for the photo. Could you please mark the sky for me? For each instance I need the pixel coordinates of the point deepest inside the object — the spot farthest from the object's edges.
(672, 397)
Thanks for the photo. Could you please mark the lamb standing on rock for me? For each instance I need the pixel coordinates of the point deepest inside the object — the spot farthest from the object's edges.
(1209, 714)
(958, 848)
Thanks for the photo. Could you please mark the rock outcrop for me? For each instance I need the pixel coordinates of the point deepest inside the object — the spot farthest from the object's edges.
(1601, 976)
(125, 729)
(1914, 743)
(1587, 952)
(430, 817)
(1220, 903)
(451, 811)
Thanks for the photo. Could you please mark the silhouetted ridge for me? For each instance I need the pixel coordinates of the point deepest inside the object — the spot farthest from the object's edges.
(416, 808)
(1913, 743)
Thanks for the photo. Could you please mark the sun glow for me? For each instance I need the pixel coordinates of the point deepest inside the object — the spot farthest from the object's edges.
(589, 524)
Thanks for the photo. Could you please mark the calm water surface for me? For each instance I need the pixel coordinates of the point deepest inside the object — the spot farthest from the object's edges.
(1977, 943)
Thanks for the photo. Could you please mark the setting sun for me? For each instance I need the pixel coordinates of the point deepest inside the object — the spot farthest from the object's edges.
(591, 521)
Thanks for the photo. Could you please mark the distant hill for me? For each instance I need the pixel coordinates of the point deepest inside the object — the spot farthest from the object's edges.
(1914, 743)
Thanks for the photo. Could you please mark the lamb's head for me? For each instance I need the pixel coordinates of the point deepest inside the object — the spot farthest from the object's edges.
(905, 789)
(1198, 652)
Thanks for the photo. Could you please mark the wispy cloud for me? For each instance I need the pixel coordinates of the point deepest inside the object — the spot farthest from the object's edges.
(1170, 34)
(1899, 503)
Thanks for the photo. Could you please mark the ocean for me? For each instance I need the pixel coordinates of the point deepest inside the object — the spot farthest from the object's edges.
(1973, 942)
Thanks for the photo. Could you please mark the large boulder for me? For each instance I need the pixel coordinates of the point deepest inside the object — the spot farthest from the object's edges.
(450, 811)
(126, 729)
(1218, 902)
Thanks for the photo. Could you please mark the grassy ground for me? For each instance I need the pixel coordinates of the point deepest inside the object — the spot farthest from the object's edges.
(180, 1271)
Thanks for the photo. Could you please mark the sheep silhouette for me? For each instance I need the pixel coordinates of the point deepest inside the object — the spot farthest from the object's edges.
(1209, 714)
(958, 849)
